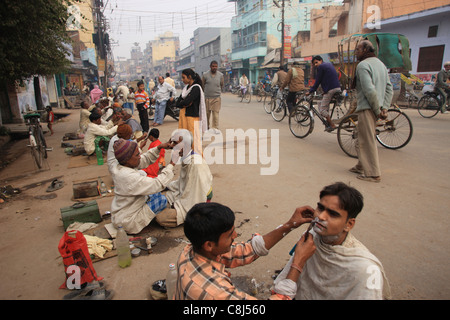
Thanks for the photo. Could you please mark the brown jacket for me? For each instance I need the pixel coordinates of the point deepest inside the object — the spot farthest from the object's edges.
(295, 84)
(281, 76)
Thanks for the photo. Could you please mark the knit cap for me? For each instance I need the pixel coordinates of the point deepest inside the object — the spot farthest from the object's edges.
(124, 150)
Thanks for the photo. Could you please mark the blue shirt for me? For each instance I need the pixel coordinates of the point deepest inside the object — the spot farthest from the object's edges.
(327, 77)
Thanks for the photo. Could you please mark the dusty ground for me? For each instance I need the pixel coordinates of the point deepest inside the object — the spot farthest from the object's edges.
(404, 222)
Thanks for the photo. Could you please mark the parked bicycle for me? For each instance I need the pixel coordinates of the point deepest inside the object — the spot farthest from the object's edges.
(37, 143)
(301, 119)
(394, 132)
(430, 104)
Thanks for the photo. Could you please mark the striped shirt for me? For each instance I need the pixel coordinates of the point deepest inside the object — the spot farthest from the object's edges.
(200, 278)
(142, 97)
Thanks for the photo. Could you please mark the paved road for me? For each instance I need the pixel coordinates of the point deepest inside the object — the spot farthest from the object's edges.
(404, 221)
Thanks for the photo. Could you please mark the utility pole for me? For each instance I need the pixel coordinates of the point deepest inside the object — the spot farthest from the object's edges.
(282, 29)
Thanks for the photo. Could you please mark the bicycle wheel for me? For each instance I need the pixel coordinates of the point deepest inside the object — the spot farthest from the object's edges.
(301, 123)
(396, 131)
(35, 154)
(339, 109)
(261, 94)
(279, 111)
(268, 105)
(348, 135)
(247, 97)
(428, 106)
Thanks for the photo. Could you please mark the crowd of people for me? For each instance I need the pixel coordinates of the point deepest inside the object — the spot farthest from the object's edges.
(327, 262)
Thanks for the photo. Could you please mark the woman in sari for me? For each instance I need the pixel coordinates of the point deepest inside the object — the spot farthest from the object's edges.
(192, 107)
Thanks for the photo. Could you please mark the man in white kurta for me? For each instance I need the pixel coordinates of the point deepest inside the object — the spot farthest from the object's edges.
(94, 130)
(193, 185)
(132, 189)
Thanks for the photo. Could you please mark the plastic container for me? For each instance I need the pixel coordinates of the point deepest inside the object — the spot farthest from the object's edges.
(123, 248)
(103, 188)
(171, 281)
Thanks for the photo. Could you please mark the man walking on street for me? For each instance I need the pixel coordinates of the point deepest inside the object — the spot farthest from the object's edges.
(169, 80)
(374, 93)
(162, 95)
(212, 86)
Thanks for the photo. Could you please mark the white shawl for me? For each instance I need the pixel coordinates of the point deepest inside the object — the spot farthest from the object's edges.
(202, 106)
(192, 186)
(342, 272)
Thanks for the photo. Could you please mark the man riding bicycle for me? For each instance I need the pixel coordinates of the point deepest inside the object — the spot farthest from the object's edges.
(328, 78)
(442, 87)
(243, 82)
(296, 80)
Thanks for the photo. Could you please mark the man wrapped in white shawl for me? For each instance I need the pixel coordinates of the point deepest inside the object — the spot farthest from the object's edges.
(341, 267)
(193, 186)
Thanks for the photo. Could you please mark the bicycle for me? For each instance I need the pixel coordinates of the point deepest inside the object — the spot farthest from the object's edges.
(430, 104)
(394, 132)
(245, 94)
(37, 143)
(262, 90)
(410, 95)
(301, 119)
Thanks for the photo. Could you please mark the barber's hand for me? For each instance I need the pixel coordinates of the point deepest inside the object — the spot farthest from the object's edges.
(307, 93)
(142, 144)
(118, 122)
(165, 145)
(304, 250)
(301, 215)
(383, 114)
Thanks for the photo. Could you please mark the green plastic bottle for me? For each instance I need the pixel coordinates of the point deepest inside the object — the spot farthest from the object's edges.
(99, 154)
(123, 248)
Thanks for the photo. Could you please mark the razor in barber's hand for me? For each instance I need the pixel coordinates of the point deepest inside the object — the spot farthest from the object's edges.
(311, 225)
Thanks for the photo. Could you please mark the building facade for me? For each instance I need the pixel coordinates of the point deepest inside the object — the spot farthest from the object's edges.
(256, 31)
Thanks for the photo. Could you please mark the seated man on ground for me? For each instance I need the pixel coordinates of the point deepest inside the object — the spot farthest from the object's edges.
(131, 206)
(123, 132)
(342, 267)
(138, 132)
(211, 231)
(96, 129)
(84, 117)
(194, 184)
(153, 169)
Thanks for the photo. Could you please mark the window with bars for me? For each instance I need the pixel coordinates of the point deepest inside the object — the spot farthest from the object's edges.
(430, 58)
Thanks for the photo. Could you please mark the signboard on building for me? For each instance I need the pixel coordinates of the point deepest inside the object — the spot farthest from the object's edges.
(253, 60)
(287, 42)
(101, 65)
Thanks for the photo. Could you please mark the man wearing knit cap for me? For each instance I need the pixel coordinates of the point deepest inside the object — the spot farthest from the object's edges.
(131, 205)
(124, 131)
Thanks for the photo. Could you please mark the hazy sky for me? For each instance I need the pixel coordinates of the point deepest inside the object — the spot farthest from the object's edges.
(143, 20)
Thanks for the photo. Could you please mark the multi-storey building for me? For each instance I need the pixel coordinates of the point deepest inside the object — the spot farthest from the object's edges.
(256, 31)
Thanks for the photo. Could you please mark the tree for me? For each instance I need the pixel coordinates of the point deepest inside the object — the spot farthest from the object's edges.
(34, 38)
